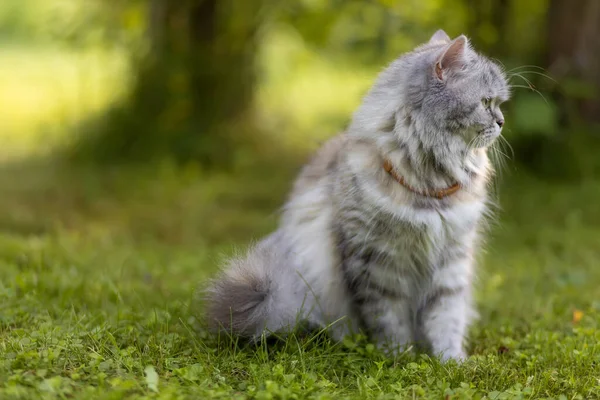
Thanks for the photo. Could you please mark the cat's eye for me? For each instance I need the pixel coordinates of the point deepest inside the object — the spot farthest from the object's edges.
(487, 101)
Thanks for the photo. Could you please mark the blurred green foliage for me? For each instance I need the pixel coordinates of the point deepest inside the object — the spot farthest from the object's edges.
(208, 79)
(72, 23)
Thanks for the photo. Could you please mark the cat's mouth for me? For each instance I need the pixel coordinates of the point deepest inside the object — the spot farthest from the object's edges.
(486, 137)
(481, 138)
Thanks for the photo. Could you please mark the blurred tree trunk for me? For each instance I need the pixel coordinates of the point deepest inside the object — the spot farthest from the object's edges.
(574, 52)
(195, 85)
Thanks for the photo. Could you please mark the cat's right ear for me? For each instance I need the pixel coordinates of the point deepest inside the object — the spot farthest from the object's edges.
(440, 36)
(452, 58)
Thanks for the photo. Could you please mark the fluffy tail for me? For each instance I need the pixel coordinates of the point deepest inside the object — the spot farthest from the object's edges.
(248, 296)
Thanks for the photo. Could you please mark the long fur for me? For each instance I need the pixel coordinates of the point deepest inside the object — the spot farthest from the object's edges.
(355, 250)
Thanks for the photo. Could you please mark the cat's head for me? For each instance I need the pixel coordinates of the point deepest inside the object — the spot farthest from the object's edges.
(444, 92)
(454, 90)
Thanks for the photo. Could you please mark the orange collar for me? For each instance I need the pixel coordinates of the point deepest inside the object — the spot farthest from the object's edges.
(439, 194)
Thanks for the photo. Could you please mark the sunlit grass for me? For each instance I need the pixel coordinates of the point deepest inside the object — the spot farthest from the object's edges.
(46, 91)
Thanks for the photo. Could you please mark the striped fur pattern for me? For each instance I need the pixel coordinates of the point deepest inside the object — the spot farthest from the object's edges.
(357, 251)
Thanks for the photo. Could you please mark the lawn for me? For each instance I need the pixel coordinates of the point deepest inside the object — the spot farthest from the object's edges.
(98, 271)
(98, 267)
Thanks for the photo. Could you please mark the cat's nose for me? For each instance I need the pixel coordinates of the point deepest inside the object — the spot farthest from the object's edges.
(500, 122)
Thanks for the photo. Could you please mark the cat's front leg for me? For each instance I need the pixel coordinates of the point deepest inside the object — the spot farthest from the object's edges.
(388, 322)
(446, 313)
(380, 301)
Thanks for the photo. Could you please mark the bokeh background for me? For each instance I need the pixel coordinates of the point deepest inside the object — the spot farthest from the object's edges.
(140, 141)
(221, 87)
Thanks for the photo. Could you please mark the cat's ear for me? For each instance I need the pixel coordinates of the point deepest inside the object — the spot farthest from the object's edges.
(453, 57)
(440, 36)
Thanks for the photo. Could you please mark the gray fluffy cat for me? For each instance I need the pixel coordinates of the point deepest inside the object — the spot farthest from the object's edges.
(380, 230)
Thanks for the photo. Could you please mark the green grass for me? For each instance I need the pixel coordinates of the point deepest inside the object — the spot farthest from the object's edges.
(97, 273)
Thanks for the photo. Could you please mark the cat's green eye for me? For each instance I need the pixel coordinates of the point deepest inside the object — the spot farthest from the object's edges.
(487, 101)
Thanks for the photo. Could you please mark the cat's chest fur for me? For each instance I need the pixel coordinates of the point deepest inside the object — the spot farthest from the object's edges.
(419, 239)
(400, 241)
